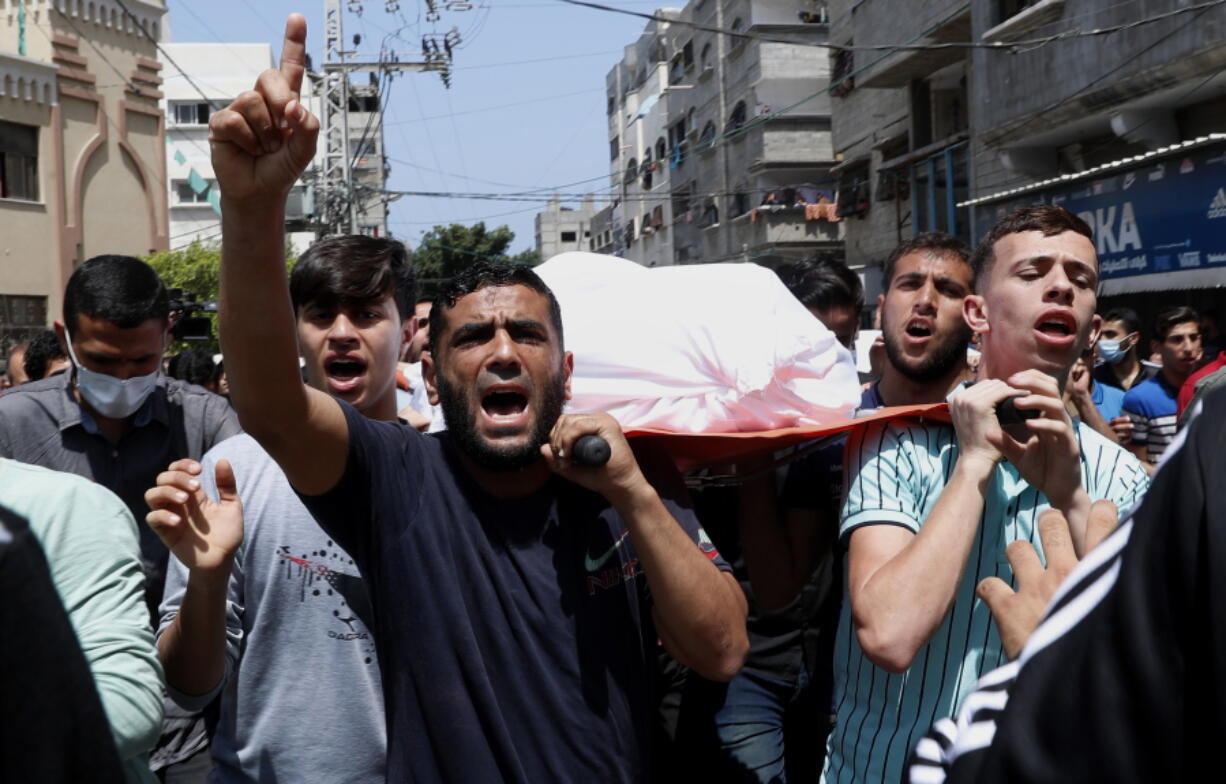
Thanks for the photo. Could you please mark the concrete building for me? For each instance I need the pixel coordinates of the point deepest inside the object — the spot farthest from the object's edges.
(901, 125)
(720, 146)
(1120, 128)
(370, 168)
(559, 229)
(82, 156)
(201, 78)
(1126, 132)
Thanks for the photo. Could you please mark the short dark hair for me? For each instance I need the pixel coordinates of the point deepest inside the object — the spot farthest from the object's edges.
(120, 289)
(194, 367)
(1132, 322)
(480, 275)
(823, 283)
(354, 269)
(1171, 317)
(1047, 218)
(40, 351)
(928, 243)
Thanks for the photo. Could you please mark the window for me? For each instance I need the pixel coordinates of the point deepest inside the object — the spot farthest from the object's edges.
(841, 80)
(710, 215)
(705, 59)
(612, 105)
(632, 171)
(940, 185)
(369, 231)
(21, 318)
(1010, 8)
(854, 192)
(568, 236)
(676, 70)
(18, 161)
(681, 202)
(676, 144)
(661, 149)
(819, 15)
(361, 148)
(737, 119)
(614, 148)
(740, 202)
(190, 112)
(185, 194)
(707, 138)
(647, 168)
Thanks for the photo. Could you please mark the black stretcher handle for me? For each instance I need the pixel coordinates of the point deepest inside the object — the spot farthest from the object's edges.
(1009, 414)
(591, 451)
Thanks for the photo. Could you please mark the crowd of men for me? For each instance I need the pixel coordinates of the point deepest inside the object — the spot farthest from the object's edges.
(362, 551)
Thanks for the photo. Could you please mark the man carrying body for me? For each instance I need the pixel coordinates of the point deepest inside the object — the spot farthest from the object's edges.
(1152, 405)
(511, 606)
(116, 420)
(930, 507)
(258, 592)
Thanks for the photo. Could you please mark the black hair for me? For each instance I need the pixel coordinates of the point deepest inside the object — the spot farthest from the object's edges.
(1172, 317)
(194, 367)
(823, 283)
(42, 349)
(480, 275)
(1132, 322)
(1047, 218)
(354, 269)
(122, 290)
(928, 243)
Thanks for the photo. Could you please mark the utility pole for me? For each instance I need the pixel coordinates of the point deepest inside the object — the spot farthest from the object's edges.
(335, 192)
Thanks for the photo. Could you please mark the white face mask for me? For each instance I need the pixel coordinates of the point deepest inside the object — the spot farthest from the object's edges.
(111, 397)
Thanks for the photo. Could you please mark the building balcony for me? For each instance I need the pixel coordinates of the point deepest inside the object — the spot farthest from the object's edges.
(781, 226)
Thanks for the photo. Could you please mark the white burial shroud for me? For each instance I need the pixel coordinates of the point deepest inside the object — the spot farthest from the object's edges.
(704, 348)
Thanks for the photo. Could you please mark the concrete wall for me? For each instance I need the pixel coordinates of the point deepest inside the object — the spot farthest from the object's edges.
(101, 156)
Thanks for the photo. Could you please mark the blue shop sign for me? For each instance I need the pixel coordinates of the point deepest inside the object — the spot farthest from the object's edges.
(1167, 215)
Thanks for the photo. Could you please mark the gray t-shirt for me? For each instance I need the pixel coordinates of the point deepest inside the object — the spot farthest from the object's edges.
(301, 699)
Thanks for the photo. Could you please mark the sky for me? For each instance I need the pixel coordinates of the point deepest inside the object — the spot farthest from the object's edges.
(506, 124)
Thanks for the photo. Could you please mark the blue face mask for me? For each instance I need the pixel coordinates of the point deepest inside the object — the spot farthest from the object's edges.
(111, 397)
(1112, 351)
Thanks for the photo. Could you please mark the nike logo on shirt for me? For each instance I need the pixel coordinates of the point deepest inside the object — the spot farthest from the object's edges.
(594, 564)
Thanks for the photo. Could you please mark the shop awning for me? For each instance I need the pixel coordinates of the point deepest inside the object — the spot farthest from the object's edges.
(1165, 281)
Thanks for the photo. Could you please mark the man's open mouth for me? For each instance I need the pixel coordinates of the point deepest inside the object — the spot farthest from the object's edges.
(919, 329)
(1056, 326)
(344, 373)
(504, 404)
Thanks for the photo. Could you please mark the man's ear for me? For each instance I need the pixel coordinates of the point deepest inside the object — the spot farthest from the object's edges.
(975, 313)
(877, 311)
(61, 332)
(1096, 328)
(407, 329)
(568, 370)
(427, 375)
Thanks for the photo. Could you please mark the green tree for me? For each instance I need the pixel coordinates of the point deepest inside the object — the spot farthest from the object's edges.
(196, 269)
(445, 251)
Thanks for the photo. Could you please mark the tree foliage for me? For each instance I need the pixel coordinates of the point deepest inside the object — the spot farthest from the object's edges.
(445, 251)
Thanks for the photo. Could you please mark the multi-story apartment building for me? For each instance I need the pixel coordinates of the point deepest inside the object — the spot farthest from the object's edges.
(1121, 127)
(370, 168)
(719, 145)
(201, 78)
(559, 228)
(82, 160)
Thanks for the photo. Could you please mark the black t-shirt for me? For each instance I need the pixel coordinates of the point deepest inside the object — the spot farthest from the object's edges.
(514, 636)
(1124, 680)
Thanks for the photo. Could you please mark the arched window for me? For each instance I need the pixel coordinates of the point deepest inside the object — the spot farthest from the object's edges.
(707, 138)
(737, 24)
(737, 119)
(647, 168)
(632, 171)
(705, 59)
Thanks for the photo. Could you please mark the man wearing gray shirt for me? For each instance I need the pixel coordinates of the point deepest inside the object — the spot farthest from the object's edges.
(115, 419)
(261, 605)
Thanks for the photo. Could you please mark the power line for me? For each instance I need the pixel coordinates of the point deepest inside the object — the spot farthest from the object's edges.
(461, 220)
(503, 106)
(1009, 46)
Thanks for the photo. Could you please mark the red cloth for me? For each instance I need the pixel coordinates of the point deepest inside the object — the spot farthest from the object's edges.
(1188, 390)
(696, 450)
(402, 382)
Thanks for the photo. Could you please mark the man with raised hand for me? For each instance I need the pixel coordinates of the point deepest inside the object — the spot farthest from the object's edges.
(515, 593)
(931, 507)
(258, 597)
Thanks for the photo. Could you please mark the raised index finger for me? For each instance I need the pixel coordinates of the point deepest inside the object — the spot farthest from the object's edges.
(293, 52)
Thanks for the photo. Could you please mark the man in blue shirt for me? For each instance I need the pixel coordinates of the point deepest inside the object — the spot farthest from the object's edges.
(514, 593)
(1153, 405)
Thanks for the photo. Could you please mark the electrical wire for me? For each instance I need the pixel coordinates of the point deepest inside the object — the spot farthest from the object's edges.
(1010, 46)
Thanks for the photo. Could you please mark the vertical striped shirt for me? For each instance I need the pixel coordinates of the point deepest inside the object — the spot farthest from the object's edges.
(896, 472)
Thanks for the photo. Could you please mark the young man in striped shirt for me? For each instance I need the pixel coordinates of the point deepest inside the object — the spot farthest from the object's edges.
(1152, 405)
(930, 507)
